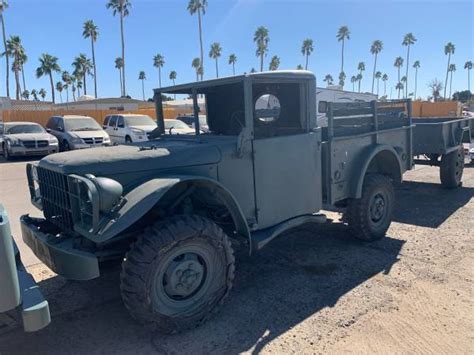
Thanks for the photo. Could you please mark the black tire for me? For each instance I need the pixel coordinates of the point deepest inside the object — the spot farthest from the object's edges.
(177, 273)
(451, 169)
(370, 216)
(6, 153)
(128, 140)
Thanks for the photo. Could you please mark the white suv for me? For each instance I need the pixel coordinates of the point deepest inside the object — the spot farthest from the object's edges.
(129, 128)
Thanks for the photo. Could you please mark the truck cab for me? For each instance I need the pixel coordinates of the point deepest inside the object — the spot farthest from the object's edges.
(173, 208)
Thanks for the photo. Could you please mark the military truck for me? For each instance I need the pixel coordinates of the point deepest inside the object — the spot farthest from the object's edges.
(175, 208)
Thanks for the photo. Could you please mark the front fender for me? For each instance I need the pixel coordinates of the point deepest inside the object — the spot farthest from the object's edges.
(395, 171)
(143, 198)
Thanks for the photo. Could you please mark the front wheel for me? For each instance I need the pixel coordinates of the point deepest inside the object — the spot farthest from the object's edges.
(128, 140)
(177, 273)
(6, 152)
(370, 216)
(451, 169)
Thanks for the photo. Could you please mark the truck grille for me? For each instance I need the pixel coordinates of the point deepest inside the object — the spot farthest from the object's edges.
(35, 144)
(55, 198)
(96, 140)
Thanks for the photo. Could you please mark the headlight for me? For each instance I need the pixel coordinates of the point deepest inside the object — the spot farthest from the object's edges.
(106, 139)
(33, 185)
(53, 141)
(137, 131)
(110, 192)
(14, 142)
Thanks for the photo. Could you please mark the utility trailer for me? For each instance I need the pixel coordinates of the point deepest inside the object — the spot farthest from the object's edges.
(438, 141)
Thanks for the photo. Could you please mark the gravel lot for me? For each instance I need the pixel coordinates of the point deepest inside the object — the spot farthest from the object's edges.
(314, 290)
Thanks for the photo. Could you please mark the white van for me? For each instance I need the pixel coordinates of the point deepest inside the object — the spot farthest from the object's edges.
(129, 128)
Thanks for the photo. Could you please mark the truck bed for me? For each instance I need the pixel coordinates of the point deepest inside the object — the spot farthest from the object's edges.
(354, 132)
(440, 135)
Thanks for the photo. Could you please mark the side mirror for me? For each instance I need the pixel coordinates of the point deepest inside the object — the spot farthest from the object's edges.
(48, 130)
(322, 107)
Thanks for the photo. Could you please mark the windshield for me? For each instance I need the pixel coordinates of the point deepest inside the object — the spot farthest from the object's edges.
(176, 124)
(23, 128)
(81, 124)
(139, 121)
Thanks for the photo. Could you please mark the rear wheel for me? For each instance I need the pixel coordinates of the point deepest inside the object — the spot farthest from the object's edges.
(370, 216)
(6, 152)
(451, 169)
(128, 140)
(177, 273)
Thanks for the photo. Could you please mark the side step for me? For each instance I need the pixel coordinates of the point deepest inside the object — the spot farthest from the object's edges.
(263, 237)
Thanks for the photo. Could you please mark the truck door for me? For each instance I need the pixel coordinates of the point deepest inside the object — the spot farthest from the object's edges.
(286, 153)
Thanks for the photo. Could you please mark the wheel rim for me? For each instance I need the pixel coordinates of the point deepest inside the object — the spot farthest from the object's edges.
(183, 278)
(459, 166)
(378, 208)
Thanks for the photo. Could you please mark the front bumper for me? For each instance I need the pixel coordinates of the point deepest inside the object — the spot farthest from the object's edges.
(58, 253)
(86, 146)
(19, 291)
(23, 151)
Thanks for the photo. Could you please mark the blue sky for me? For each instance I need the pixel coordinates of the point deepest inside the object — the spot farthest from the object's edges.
(165, 26)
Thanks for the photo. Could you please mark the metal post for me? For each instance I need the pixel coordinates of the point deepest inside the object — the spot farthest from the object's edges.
(330, 121)
(196, 112)
(159, 112)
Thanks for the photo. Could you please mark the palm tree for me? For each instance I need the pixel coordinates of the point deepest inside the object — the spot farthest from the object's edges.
(34, 93)
(253, 70)
(342, 34)
(342, 78)
(42, 93)
(215, 53)
(378, 75)
(158, 62)
(22, 60)
(59, 87)
(274, 63)
(328, 79)
(299, 67)
(359, 79)
(16, 51)
(121, 7)
(399, 87)
(416, 65)
(408, 40)
(67, 80)
(142, 77)
(196, 64)
(353, 81)
(173, 76)
(449, 49)
(468, 66)
(398, 64)
(360, 68)
(375, 49)
(92, 31)
(25, 94)
(384, 79)
(306, 49)
(261, 38)
(199, 7)
(3, 7)
(452, 69)
(48, 66)
(119, 65)
(83, 67)
(232, 61)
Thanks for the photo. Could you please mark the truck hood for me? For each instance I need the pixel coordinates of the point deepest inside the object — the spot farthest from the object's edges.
(153, 155)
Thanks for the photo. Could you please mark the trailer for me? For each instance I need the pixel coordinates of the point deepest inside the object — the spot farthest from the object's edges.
(438, 141)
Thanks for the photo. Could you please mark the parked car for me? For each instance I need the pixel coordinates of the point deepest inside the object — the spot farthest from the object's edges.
(177, 127)
(189, 120)
(128, 128)
(25, 139)
(77, 132)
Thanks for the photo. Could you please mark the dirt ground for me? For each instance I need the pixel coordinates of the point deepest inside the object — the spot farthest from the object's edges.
(314, 290)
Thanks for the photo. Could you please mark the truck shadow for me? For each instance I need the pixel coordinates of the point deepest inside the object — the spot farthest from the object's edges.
(428, 204)
(295, 277)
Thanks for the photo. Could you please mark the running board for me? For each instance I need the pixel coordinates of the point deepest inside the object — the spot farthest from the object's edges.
(263, 237)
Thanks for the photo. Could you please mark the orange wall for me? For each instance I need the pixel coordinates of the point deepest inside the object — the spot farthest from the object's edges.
(42, 117)
(436, 109)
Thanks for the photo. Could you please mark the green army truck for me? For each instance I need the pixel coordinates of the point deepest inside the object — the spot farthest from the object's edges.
(174, 208)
